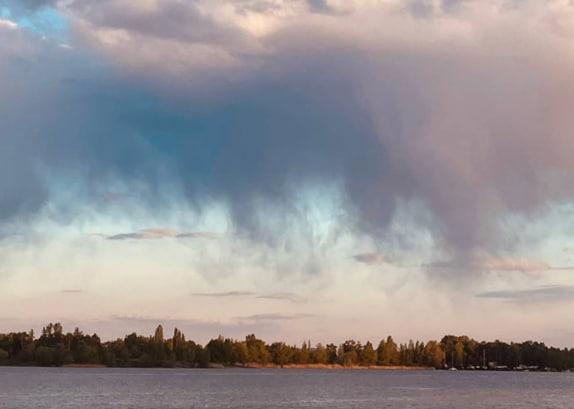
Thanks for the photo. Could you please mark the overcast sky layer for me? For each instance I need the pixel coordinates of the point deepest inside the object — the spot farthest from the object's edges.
(301, 169)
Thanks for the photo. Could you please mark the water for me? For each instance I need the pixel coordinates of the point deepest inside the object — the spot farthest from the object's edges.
(60, 388)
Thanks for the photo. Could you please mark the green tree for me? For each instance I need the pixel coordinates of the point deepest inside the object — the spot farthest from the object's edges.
(381, 353)
(304, 353)
(331, 350)
(319, 354)
(368, 355)
(459, 354)
(158, 336)
(433, 354)
(45, 356)
(256, 351)
(390, 353)
(280, 353)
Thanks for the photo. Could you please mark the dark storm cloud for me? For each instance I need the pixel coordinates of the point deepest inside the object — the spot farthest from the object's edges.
(47, 124)
(474, 129)
(252, 148)
(62, 111)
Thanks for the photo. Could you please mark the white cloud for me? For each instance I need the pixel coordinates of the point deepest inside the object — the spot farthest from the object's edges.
(8, 24)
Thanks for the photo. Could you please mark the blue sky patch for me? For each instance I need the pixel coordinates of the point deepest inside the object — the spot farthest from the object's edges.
(45, 21)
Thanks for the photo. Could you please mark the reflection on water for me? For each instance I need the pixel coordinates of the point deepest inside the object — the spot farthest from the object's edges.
(23, 388)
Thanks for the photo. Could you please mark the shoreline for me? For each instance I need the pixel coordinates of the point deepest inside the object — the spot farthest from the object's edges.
(336, 367)
(330, 367)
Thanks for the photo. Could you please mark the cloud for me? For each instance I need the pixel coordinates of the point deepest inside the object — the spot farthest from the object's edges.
(181, 34)
(452, 5)
(35, 4)
(225, 294)
(284, 296)
(319, 6)
(543, 294)
(372, 258)
(420, 8)
(435, 133)
(8, 24)
(160, 233)
(465, 111)
(125, 236)
(274, 317)
(155, 233)
(199, 234)
(526, 266)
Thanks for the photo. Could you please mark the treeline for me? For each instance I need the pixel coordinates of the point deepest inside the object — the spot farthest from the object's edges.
(56, 348)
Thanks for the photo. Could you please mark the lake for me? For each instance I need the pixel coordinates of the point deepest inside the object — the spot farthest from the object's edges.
(57, 388)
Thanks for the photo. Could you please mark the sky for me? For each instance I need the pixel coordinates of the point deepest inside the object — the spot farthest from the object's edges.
(314, 170)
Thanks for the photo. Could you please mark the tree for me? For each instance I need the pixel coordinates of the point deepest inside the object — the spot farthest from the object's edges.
(390, 353)
(221, 350)
(280, 353)
(240, 352)
(256, 350)
(368, 355)
(45, 356)
(178, 338)
(459, 354)
(158, 337)
(350, 358)
(319, 354)
(433, 354)
(305, 352)
(331, 350)
(54, 348)
(381, 353)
